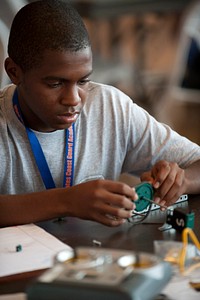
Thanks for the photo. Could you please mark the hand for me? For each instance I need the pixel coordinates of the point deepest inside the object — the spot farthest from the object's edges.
(168, 180)
(104, 201)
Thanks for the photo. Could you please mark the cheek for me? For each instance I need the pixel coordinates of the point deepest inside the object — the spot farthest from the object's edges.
(45, 98)
(43, 106)
(46, 108)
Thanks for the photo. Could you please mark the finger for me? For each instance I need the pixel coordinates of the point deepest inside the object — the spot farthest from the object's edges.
(160, 172)
(166, 177)
(119, 195)
(112, 204)
(166, 186)
(119, 212)
(176, 190)
(120, 188)
(172, 185)
(120, 201)
(109, 220)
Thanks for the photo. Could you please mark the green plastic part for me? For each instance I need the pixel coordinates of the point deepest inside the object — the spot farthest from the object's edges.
(144, 191)
(190, 220)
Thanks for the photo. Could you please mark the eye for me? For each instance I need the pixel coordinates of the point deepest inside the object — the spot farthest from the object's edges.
(84, 81)
(54, 85)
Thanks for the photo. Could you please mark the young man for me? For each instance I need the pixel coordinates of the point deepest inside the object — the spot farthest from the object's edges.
(65, 140)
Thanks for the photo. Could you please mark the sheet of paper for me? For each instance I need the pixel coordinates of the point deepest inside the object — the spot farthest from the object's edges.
(179, 288)
(38, 249)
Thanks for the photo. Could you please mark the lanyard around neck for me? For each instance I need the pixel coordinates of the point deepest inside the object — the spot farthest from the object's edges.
(39, 154)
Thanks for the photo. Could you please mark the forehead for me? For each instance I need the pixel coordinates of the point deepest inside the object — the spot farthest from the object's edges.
(66, 61)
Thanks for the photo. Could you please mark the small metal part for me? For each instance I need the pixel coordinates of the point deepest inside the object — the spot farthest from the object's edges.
(96, 243)
(165, 227)
(153, 202)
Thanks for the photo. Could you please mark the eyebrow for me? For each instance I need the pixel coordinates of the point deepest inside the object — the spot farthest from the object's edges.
(64, 79)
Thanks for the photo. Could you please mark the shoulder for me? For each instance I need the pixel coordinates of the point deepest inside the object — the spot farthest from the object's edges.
(107, 96)
(110, 98)
(106, 90)
(6, 93)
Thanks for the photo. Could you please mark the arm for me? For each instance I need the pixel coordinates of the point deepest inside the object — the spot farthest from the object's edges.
(170, 181)
(98, 200)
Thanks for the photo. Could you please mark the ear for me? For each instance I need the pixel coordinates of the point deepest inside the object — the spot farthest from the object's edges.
(13, 70)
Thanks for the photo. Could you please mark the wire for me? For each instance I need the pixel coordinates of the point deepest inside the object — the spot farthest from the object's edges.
(142, 215)
(185, 234)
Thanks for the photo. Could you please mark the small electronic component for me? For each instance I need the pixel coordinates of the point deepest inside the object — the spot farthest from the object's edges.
(145, 193)
(145, 204)
(180, 219)
(18, 248)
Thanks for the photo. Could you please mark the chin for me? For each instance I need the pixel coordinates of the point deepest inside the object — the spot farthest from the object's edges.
(63, 127)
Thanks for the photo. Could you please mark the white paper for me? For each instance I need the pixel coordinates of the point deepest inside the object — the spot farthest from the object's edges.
(38, 249)
(18, 296)
(179, 288)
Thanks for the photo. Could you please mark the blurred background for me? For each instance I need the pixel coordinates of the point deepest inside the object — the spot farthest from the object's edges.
(149, 49)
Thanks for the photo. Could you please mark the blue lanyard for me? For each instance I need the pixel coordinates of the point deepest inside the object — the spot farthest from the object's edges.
(39, 154)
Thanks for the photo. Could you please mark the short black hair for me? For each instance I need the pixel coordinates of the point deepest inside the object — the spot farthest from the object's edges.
(45, 25)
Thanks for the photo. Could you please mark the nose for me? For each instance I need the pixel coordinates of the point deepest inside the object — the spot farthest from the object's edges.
(70, 96)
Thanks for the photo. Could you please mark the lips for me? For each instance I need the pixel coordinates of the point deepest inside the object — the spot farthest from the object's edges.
(68, 118)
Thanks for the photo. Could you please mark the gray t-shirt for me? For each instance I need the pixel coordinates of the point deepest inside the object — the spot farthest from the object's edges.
(113, 135)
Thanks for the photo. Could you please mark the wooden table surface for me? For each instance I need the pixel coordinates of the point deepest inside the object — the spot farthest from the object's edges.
(76, 232)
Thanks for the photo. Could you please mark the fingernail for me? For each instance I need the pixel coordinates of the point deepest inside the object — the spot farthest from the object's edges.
(130, 214)
(157, 200)
(156, 185)
(162, 208)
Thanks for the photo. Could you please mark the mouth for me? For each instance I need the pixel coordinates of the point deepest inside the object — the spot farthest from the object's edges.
(68, 118)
